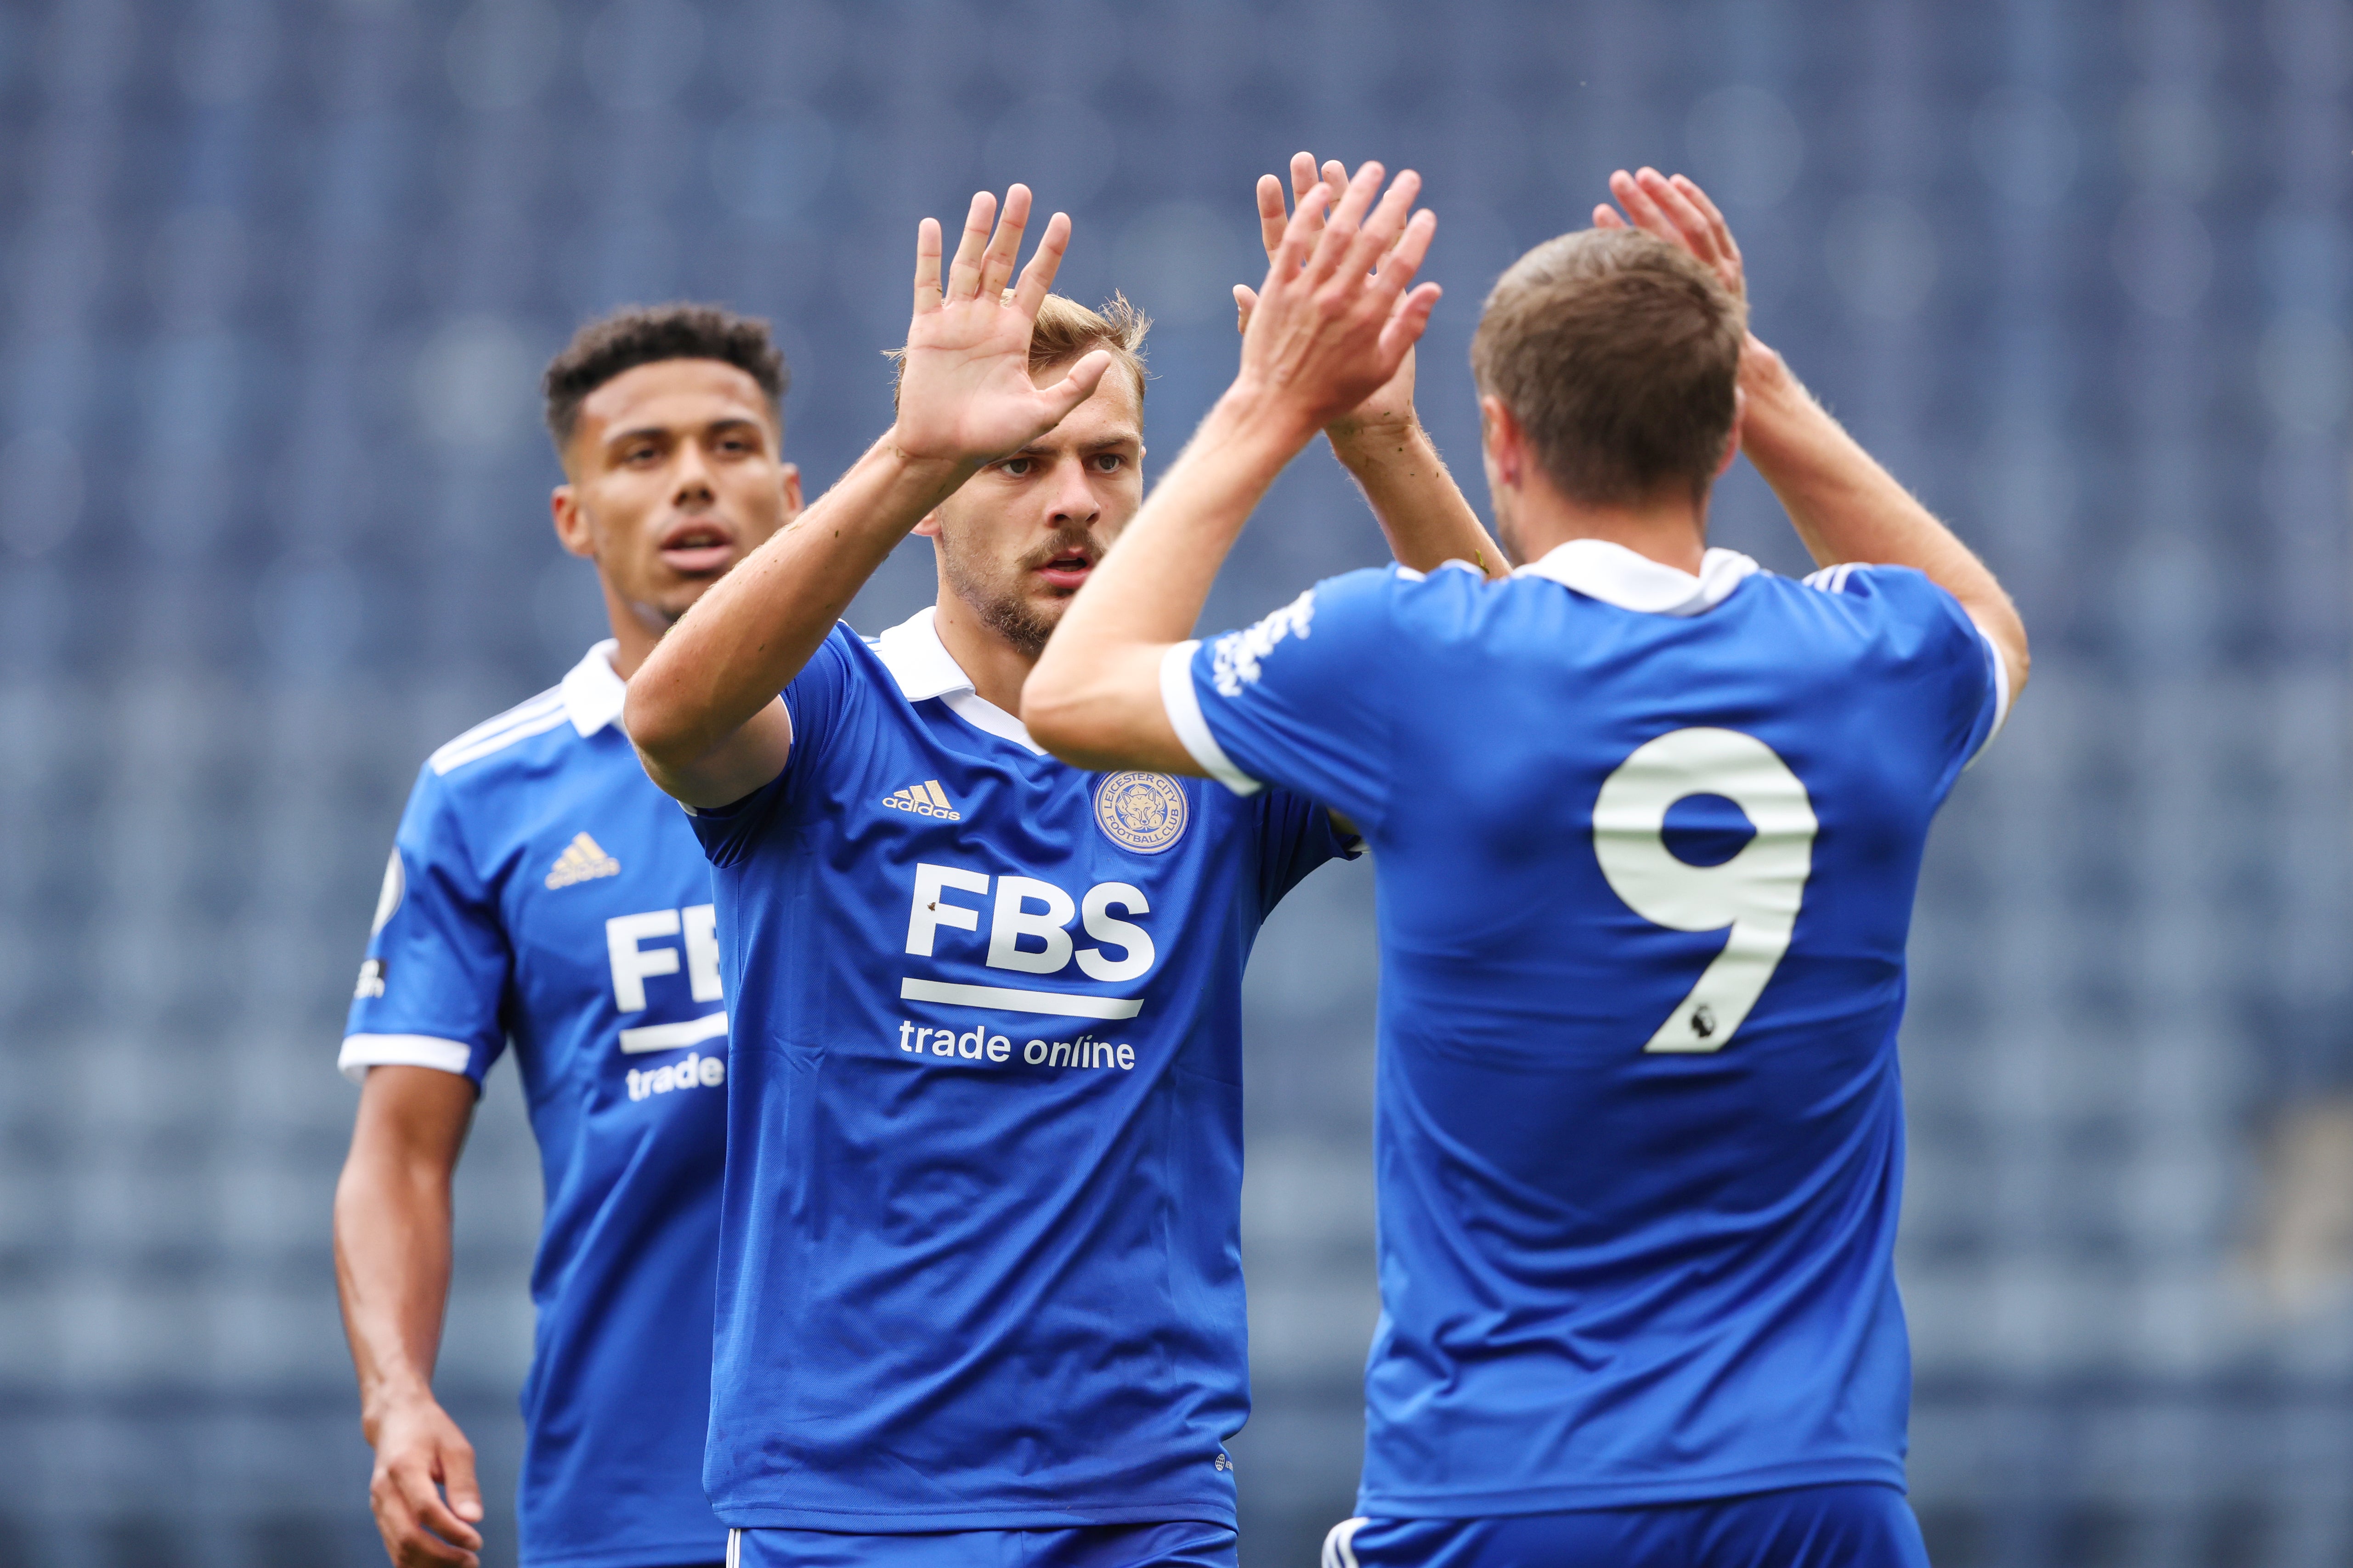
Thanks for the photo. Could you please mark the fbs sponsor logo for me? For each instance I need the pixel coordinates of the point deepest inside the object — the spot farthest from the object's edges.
(582, 860)
(371, 984)
(697, 1071)
(925, 799)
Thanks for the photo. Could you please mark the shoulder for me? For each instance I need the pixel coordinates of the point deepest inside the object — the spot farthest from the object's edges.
(499, 737)
(1329, 616)
(1897, 606)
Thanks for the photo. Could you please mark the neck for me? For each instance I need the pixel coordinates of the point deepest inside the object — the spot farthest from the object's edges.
(631, 632)
(1670, 528)
(997, 668)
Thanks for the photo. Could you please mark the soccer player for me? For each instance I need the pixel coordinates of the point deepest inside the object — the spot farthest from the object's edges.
(980, 1296)
(1647, 822)
(542, 890)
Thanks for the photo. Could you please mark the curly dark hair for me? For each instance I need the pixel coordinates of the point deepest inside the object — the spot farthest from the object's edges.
(643, 335)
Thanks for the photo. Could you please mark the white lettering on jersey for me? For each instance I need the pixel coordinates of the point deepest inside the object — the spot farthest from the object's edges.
(1102, 899)
(1013, 922)
(1234, 657)
(931, 908)
(1027, 909)
(634, 963)
(1757, 892)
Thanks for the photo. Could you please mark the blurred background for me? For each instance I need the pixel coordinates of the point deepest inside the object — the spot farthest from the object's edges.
(275, 282)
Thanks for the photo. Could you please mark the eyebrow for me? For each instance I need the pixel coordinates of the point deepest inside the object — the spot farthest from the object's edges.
(730, 422)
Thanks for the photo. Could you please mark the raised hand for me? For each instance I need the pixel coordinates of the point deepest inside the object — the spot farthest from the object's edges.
(1677, 211)
(1390, 407)
(964, 392)
(1339, 312)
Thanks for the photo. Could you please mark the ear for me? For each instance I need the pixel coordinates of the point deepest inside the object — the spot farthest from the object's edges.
(571, 528)
(1503, 442)
(1732, 442)
(789, 482)
(930, 527)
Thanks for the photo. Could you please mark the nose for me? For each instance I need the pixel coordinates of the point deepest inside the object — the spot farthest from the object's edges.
(1073, 500)
(691, 482)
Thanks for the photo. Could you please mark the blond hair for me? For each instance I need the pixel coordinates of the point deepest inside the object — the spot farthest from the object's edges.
(1065, 330)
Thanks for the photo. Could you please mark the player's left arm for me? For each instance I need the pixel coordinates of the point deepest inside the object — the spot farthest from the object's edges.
(1381, 443)
(1337, 313)
(1845, 505)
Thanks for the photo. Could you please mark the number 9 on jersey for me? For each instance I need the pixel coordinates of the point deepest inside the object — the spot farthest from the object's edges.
(1757, 892)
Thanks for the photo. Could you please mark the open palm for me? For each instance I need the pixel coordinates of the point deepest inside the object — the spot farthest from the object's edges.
(965, 390)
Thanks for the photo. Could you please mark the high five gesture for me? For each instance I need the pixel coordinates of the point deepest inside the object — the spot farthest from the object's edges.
(965, 391)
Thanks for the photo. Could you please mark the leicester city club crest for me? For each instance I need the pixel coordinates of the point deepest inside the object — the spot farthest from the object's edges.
(1143, 812)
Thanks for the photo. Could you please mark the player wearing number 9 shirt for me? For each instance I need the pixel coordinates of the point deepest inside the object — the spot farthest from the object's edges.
(1647, 822)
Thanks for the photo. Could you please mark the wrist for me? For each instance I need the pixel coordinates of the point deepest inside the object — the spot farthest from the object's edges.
(1366, 443)
(390, 1402)
(1252, 416)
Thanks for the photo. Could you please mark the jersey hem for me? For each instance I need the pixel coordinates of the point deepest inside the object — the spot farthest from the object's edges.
(915, 1521)
(1627, 1494)
(660, 1554)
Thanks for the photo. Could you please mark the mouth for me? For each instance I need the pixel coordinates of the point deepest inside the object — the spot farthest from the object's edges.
(1068, 570)
(694, 549)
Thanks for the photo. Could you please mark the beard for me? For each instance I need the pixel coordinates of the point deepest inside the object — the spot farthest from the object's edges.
(993, 590)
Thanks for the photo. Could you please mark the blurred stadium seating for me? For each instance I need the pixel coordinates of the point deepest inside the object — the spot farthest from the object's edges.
(275, 283)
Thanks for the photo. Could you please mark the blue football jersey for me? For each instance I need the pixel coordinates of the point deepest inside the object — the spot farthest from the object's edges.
(543, 891)
(980, 1264)
(1646, 846)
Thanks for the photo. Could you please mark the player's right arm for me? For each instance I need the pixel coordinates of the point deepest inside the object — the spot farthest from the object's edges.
(392, 1271)
(1846, 506)
(704, 709)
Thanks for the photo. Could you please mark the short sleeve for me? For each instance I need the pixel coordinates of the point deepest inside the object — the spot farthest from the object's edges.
(1964, 666)
(816, 700)
(436, 974)
(1295, 700)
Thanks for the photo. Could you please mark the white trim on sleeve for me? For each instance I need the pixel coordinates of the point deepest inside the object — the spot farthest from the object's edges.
(1184, 706)
(362, 1052)
(2000, 691)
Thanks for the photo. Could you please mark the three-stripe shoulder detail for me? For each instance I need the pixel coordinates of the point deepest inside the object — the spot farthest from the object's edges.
(1832, 579)
(536, 717)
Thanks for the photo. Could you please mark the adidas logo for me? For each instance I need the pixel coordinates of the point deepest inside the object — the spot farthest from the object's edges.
(925, 799)
(582, 861)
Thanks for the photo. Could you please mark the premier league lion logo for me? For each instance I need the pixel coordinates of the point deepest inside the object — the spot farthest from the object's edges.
(1139, 811)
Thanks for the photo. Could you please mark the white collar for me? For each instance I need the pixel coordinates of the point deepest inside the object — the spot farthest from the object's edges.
(1616, 575)
(592, 693)
(911, 651)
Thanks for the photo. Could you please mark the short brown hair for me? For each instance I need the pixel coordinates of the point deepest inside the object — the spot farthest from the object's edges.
(1067, 330)
(646, 334)
(1617, 353)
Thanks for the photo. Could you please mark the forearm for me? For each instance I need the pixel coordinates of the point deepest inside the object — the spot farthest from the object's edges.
(722, 666)
(1846, 507)
(391, 1272)
(1093, 696)
(1422, 511)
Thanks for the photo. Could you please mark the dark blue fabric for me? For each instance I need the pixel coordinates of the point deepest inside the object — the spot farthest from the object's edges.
(480, 948)
(1184, 1543)
(1858, 1525)
(980, 1264)
(1636, 1238)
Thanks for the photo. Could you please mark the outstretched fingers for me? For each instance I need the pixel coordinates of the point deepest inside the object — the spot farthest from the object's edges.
(1076, 388)
(963, 272)
(1407, 322)
(1037, 278)
(1346, 221)
(1005, 248)
(1272, 217)
(927, 265)
(1386, 228)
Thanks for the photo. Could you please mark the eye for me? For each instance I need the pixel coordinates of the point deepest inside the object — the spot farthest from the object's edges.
(1109, 462)
(1016, 467)
(639, 456)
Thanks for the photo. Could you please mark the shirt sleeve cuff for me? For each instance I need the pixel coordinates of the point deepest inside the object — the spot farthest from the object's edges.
(2000, 692)
(362, 1052)
(1184, 706)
